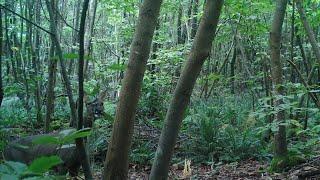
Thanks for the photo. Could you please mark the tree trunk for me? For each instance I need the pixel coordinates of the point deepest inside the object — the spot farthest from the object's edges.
(232, 69)
(79, 141)
(55, 41)
(89, 29)
(199, 52)
(277, 79)
(179, 26)
(116, 163)
(1, 54)
(309, 30)
(75, 34)
(194, 22)
(52, 68)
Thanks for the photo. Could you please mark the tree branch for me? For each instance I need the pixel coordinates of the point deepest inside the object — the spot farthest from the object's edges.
(29, 21)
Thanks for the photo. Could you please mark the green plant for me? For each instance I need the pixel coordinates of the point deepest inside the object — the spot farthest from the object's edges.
(142, 153)
(36, 170)
(222, 132)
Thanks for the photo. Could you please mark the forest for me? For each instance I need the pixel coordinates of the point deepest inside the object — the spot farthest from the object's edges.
(159, 89)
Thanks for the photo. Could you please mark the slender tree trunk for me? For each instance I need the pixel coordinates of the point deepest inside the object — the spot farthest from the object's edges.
(34, 58)
(194, 22)
(312, 95)
(179, 26)
(292, 54)
(1, 54)
(199, 52)
(303, 54)
(277, 76)
(89, 29)
(75, 34)
(9, 50)
(309, 30)
(52, 68)
(55, 41)
(79, 141)
(116, 164)
(37, 64)
(232, 69)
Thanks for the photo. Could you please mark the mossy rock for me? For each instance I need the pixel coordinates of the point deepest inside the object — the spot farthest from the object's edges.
(283, 163)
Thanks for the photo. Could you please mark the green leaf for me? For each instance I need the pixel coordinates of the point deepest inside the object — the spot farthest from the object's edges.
(108, 117)
(9, 176)
(43, 164)
(77, 134)
(66, 132)
(10, 167)
(117, 67)
(71, 56)
(46, 139)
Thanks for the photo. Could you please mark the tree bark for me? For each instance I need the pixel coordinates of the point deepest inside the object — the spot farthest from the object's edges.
(194, 22)
(308, 29)
(277, 76)
(79, 141)
(199, 52)
(55, 41)
(89, 29)
(1, 54)
(232, 70)
(52, 69)
(116, 163)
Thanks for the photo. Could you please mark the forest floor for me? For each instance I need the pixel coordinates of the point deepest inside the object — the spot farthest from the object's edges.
(245, 170)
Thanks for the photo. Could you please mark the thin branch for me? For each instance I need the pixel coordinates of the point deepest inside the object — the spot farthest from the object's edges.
(34, 24)
(305, 83)
(65, 22)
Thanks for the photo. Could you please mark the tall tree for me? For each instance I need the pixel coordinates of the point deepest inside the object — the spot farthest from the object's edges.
(54, 38)
(311, 37)
(116, 163)
(79, 141)
(1, 54)
(181, 97)
(307, 27)
(277, 77)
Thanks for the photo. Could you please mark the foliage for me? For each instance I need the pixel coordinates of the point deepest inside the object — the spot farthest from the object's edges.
(36, 170)
(222, 132)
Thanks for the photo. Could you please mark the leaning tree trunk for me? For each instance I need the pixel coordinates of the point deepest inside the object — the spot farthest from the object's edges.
(116, 163)
(309, 30)
(200, 51)
(311, 37)
(277, 78)
(55, 41)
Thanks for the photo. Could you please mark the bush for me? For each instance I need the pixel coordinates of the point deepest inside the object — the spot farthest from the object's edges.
(223, 131)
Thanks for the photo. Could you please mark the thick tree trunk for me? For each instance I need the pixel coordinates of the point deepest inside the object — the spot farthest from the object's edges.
(277, 76)
(200, 51)
(116, 164)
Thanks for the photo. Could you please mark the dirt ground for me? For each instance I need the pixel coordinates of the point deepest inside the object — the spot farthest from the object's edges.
(246, 170)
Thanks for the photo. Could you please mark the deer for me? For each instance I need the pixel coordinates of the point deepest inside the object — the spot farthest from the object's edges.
(16, 151)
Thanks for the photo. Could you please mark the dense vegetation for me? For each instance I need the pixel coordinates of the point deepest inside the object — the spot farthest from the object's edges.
(149, 86)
